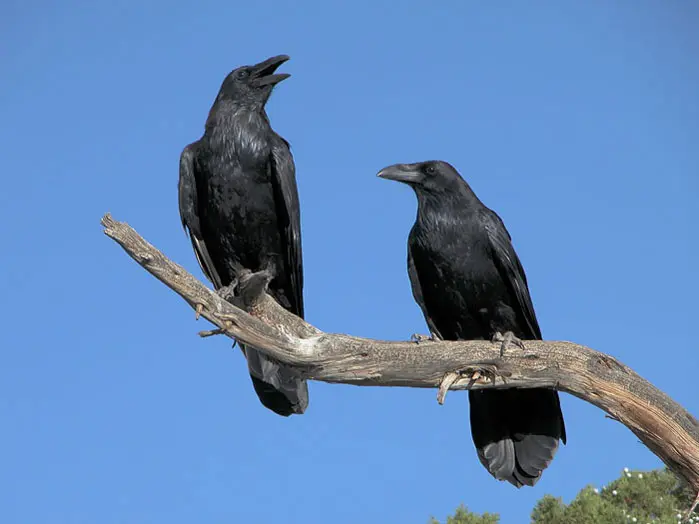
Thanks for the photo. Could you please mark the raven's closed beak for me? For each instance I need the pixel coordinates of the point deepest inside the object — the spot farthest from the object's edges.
(263, 73)
(400, 173)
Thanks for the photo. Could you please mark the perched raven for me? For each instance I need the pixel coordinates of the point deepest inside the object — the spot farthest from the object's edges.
(238, 200)
(470, 285)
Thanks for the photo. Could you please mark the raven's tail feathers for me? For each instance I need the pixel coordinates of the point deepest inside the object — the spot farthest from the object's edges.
(516, 432)
(279, 387)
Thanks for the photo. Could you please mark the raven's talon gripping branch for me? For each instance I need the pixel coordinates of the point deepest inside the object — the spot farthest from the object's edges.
(485, 372)
(506, 339)
(418, 338)
(227, 293)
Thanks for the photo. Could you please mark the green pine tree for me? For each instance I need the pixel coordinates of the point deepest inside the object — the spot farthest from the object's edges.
(653, 496)
(464, 516)
(636, 497)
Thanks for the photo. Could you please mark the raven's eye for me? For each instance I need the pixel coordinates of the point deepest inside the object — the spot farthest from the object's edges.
(243, 73)
(430, 170)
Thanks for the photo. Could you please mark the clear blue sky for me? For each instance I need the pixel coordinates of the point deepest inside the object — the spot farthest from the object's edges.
(577, 122)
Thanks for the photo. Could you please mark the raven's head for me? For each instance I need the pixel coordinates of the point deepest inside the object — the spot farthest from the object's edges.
(252, 85)
(433, 176)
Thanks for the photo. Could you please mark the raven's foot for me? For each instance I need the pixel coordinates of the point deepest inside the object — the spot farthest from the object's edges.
(418, 338)
(479, 373)
(227, 293)
(253, 286)
(506, 339)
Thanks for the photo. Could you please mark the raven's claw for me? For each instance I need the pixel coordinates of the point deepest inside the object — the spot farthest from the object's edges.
(506, 339)
(228, 292)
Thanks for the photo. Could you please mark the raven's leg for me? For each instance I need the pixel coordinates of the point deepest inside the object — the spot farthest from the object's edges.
(247, 286)
(245, 289)
(253, 286)
(228, 292)
(506, 339)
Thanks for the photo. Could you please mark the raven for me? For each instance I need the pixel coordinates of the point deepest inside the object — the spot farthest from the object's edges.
(239, 202)
(470, 285)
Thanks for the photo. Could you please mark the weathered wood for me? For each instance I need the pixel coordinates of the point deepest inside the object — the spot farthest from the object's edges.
(664, 426)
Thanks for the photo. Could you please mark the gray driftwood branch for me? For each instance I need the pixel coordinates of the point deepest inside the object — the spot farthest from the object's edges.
(664, 426)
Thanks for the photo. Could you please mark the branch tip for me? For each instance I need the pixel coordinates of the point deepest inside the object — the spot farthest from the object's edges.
(212, 332)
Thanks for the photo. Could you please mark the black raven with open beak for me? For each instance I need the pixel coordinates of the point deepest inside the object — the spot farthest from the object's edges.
(239, 202)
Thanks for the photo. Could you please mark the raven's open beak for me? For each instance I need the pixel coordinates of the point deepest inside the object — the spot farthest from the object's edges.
(263, 73)
(401, 173)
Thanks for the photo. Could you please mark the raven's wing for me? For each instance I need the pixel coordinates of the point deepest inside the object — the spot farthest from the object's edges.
(289, 214)
(417, 293)
(511, 270)
(189, 212)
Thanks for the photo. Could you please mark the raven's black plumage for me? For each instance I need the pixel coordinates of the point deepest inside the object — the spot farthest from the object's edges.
(238, 200)
(470, 285)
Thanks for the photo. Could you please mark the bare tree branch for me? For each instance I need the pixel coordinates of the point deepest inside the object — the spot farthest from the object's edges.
(664, 426)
